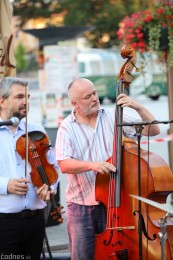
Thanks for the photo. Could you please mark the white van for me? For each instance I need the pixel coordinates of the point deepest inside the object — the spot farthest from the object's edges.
(101, 67)
(93, 62)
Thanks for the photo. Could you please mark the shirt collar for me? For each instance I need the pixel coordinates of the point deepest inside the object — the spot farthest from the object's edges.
(22, 124)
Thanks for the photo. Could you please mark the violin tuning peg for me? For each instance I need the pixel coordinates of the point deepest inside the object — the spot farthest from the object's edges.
(60, 220)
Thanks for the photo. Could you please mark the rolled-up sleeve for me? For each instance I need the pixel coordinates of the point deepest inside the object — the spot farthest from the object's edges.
(64, 146)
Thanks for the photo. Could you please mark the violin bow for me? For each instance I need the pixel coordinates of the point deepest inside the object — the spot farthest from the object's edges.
(26, 132)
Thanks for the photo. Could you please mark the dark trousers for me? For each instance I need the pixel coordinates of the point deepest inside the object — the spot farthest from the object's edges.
(22, 238)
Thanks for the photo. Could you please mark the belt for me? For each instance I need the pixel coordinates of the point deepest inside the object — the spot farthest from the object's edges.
(23, 214)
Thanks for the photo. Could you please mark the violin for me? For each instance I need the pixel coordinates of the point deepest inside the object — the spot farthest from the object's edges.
(120, 238)
(42, 171)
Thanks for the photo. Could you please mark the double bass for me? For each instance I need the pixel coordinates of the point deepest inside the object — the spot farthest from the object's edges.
(132, 227)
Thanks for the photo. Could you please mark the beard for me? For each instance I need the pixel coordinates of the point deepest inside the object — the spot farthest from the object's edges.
(92, 109)
(21, 113)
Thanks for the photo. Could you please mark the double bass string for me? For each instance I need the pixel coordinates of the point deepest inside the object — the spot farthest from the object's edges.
(147, 192)
(111, 196)
(111, 201)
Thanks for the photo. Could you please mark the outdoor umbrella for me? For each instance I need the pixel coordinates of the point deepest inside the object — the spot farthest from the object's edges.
(7, 54)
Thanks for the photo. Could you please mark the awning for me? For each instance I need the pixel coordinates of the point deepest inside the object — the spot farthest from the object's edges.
(52, 35)
(7, 54)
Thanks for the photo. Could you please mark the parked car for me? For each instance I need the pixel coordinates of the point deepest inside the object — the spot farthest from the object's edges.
(101, 67)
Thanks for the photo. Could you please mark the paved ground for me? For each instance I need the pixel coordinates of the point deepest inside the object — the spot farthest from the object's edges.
(57, 236)
(57, 241)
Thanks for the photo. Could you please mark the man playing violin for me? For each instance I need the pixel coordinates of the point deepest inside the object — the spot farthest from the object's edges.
(84, 143)
(22, 223)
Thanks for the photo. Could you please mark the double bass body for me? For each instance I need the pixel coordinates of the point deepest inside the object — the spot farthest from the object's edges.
(157, 183)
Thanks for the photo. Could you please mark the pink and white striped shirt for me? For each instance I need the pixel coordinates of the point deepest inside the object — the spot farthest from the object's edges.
(81, 142)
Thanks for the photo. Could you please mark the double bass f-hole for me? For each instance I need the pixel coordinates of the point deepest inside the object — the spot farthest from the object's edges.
(42, 172)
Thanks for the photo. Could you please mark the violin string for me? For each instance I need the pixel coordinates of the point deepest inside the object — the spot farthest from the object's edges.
(38, 164)
(57, 212)
(41, 169)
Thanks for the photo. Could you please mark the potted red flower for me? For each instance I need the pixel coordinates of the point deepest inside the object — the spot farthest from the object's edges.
(149, 30)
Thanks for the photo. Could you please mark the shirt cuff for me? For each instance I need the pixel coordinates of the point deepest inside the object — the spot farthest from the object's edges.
(3, 185)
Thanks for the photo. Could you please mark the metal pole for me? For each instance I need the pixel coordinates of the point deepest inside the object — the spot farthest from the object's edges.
(170, 105)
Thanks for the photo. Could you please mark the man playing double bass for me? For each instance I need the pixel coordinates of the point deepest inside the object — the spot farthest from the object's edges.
(84, 143)
(22, 224)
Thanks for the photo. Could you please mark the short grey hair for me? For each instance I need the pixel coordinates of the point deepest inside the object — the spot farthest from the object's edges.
(6, 84)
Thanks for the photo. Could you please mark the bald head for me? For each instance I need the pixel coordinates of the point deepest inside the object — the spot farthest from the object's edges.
(83, 97)
(77, 87)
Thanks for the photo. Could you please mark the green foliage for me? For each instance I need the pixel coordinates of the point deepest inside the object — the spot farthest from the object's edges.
(103, 15)
(32, 64)
(149, 30)
(21, 62)
(34, 8)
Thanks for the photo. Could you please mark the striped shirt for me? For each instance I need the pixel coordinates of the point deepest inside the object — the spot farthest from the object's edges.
(81, 142)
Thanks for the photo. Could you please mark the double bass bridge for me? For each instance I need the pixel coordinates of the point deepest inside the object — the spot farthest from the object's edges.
(121, 228)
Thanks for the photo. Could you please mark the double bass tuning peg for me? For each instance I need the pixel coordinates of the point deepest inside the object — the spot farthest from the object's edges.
(131, 75)
(137, 69)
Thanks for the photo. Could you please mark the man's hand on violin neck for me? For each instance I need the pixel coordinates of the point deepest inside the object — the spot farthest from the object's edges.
(44, 193)
(18, 186)
(102, 167)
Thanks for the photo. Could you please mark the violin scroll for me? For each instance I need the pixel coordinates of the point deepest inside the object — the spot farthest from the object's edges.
(57, 214)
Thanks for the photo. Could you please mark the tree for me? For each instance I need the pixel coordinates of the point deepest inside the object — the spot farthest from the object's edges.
(103, 15)
(21, 62)
(34, 8)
